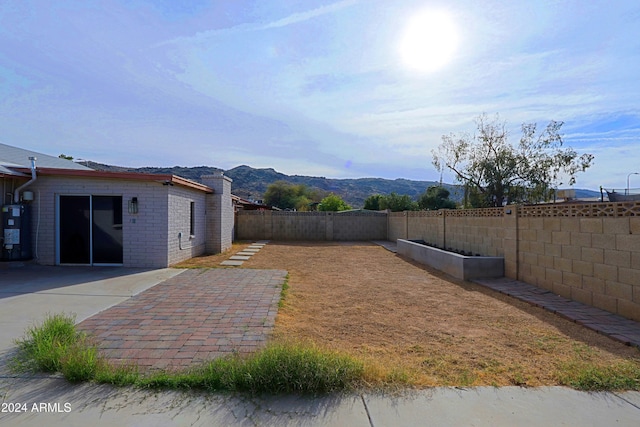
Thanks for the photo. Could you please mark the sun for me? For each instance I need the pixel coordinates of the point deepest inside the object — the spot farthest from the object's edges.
(429, 41)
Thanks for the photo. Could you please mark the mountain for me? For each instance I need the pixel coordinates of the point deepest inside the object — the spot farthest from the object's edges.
(251, 183)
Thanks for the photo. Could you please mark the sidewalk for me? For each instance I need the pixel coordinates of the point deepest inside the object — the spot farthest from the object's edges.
(100, 405)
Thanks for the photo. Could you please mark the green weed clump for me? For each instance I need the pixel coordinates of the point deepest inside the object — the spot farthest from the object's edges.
(278, 368)
(56, 346)
(584, 376)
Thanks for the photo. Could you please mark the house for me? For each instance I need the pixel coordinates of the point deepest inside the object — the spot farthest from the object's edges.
(61, 213)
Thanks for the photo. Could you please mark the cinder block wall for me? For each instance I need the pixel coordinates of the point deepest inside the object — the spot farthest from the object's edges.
(311, 226)
(480, 231)
(427, 226)
(397, 226)
(359, 225)
(589, 253)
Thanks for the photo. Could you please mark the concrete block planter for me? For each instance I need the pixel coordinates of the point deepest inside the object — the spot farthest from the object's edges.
(459, 266)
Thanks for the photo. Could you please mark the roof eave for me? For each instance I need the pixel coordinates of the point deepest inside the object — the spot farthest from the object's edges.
(134, 176)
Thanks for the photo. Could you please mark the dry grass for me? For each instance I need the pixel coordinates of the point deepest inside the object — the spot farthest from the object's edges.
(416, 326)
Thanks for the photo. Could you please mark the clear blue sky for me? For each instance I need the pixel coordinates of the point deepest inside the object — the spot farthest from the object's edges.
(351, 88)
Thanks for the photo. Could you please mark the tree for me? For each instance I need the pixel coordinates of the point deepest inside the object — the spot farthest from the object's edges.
(64, 156)
(398, 203)
(495, 172)
(285, 195)
(333, 203)
(436, 197)
(372, 202)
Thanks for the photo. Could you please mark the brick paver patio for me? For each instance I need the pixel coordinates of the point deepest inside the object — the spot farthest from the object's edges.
(199, 314)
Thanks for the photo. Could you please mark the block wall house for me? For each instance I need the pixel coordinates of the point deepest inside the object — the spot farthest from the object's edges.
(87, 217)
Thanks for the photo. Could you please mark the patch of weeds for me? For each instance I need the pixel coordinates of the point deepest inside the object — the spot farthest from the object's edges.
(297, 368)
(548, 343)
(56, 346)
(81, 361)
(583, 351)
(466, 378)
(589, 377)
(518, 378)
(283, 292)
(117, 375)
(46, 346)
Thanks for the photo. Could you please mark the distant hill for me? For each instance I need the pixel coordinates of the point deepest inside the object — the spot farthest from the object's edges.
(251, 183)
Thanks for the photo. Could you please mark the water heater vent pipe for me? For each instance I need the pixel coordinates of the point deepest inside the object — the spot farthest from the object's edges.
(16, 195)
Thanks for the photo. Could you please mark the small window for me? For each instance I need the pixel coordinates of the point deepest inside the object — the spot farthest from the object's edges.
(192, 219)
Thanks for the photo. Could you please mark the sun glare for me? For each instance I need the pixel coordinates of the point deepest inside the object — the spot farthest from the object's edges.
(429, 41)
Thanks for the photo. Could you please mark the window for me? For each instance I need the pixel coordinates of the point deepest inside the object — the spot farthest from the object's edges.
(192, 219)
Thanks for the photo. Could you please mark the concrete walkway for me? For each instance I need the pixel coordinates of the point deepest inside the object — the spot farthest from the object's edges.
(616, 327)
(244, 255)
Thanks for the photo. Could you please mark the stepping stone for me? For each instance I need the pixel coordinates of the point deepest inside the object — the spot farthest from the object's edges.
(232, 263)
(244, 253)
(251, 250)
(261, 242)
(239, 258)
(255, 247)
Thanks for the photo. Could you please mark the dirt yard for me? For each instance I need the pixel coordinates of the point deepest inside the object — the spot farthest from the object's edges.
(418, 325)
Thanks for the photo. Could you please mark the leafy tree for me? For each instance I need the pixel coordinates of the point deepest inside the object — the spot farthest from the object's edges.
(373, 202)
(64, 156)
(495, 172)
(333, 203)
(436, 197)
(398, 203)
(285, 195)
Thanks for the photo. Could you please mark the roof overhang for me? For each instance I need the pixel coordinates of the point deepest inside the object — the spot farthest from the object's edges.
(4, 171)
(166, 179)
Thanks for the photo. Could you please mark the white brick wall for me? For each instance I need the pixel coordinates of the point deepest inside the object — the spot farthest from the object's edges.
(220, 214)
(150, 237)
(179, 221)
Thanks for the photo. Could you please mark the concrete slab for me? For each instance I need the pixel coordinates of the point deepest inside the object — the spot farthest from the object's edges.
(254, 247)
(251, 250)
(28, 293)
(506, 406)
(231, 263)
(239, 258)
(101, 405)
(632, 397)
(243, 253)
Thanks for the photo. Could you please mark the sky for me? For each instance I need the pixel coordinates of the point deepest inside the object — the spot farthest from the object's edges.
(336, 88)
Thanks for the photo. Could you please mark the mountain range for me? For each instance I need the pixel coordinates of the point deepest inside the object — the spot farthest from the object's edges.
(251, 183)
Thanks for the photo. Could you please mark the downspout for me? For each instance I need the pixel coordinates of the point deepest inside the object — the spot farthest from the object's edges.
(16, 195)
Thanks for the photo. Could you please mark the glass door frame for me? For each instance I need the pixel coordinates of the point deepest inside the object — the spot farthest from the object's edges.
(91, 226)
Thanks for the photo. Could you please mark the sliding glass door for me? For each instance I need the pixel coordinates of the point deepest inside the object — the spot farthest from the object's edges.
(90, 229)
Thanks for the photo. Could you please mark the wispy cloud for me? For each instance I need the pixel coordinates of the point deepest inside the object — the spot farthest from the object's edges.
(294, 18)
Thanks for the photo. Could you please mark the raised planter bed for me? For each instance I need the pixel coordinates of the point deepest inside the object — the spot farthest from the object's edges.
(460, 266)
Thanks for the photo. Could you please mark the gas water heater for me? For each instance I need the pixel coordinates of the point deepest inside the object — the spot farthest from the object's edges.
(16, 228)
